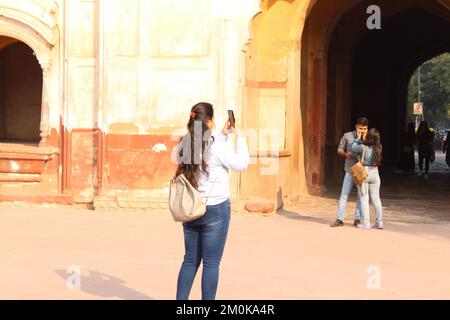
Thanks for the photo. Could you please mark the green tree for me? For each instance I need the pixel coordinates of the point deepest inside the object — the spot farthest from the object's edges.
(435, 90)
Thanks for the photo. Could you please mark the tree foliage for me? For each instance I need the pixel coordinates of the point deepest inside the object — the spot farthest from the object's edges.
(435, 90)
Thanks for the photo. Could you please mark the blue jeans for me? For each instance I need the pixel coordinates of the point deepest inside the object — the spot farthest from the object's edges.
(371, 188)
(204, 239)
(347, 187)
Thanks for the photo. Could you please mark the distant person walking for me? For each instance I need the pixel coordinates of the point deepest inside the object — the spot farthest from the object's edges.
(446, 148)
(424, 138)
(204, 238)
(344, 151)
(407, 158)
(371, 186)
(441, 140)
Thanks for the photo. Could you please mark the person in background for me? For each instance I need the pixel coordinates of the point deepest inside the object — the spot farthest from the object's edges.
(424, 138)
(407, 158)
(446, 149)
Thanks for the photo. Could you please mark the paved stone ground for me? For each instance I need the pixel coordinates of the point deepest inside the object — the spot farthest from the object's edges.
(295, 255)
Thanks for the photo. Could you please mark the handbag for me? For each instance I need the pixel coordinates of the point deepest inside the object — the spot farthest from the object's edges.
(358, 171)
(185, 202)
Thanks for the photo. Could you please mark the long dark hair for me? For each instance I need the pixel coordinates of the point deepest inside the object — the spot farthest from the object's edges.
(191, 156)
(373, 139)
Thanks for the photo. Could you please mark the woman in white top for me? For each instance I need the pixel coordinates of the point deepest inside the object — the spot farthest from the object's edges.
(206, 159)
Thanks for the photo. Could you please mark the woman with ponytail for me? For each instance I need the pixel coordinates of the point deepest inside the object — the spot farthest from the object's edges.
(206, 159)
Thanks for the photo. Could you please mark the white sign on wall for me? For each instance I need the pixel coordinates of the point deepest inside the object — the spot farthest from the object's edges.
(418, 108)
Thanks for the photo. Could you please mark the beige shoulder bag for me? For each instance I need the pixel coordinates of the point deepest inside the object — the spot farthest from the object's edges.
(185, 202)
(357, 171)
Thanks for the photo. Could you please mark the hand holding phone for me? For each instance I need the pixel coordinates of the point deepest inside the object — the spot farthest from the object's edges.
(230, 124)
(231, 118)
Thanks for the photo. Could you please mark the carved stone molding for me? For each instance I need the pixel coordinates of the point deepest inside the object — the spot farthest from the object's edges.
(40, 15)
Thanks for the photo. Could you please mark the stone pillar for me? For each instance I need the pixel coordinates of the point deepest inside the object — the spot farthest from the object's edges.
(44, 126)
(318, 120)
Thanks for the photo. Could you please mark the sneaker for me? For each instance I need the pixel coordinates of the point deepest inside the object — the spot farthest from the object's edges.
(426, 176)
(419, 173)
(378, 225)
(363, 226)
(337, 223)
(356, 222)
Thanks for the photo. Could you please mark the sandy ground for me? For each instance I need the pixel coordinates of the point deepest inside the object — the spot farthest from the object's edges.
(138, 255)
(295, 255)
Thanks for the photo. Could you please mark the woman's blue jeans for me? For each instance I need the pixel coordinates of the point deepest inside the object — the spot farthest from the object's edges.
(204, 239)
(371, 188)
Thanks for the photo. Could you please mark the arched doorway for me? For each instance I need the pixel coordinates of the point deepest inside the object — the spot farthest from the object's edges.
(32, 165)
(20, 93)
(428, 85)
(350, 71)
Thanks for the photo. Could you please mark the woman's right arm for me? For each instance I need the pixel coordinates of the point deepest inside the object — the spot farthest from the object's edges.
(237, 161)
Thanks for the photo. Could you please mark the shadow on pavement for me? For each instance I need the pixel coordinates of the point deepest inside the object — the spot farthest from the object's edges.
(296, 216)
(105, 286)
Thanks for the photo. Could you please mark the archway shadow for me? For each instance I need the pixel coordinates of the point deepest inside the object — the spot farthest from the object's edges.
(105, 286)
(297, 216)
(294, 215)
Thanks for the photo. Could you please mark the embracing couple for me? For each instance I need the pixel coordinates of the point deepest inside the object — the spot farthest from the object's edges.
(351, 148)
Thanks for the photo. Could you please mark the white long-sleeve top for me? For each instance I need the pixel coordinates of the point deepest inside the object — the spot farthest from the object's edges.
(215, 188)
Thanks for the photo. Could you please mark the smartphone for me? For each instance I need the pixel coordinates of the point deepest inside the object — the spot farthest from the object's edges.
(231, 118)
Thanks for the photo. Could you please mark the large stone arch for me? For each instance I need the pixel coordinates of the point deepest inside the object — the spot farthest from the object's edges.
(36, 168)
(336, 49)
(35, 24)
(275, 59)
(289, 49)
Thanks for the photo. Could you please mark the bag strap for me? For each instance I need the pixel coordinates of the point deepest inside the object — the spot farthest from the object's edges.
(210, 191)
(363, 153)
